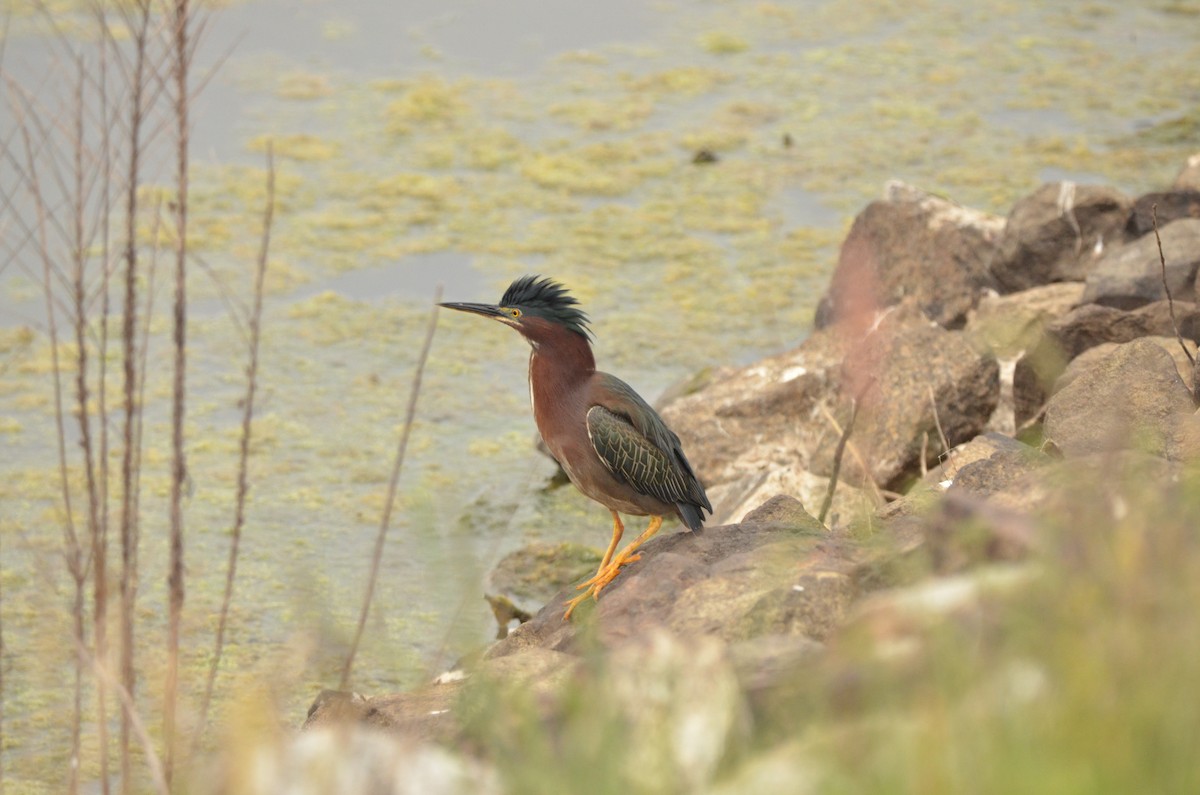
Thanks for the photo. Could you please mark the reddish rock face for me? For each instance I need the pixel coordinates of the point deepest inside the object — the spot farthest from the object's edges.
(912, 245)
(786, 411)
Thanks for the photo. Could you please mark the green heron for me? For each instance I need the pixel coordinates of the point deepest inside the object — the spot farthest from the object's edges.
(613, 446)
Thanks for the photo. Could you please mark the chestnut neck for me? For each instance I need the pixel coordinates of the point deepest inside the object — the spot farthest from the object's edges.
(560, 357)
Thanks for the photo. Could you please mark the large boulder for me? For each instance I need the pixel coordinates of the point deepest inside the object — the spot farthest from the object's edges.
(786, 412)
(1006, 461)
(734, 582)
(1013, 323)
(1089, 358)
(912, 244)
(1057, 233)
(1131, 399)
(1086, 327)
(1132, 275)
(1167, 206)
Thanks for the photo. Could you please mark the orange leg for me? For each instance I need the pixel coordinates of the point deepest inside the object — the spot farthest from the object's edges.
(608, 573)
(618, 531)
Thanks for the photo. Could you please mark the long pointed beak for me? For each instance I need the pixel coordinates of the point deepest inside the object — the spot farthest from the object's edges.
(487, 310)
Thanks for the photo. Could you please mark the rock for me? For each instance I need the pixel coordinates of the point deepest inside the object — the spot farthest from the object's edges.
(981, 447)
(505, 613)
(898, 622)
(965, 530)
(422, 714)
(1132, 398)
(997, 472)
(1132, 275)
(1086, 327)
(1186, 447)
(810, 607)
(529, 576)
(987, 464)
(1086, 360)
(1060, 489)
(913, 245)
(1189, 176)
(735, 499)
(710, 583)
(1011, 324)
(769, 662)
(1169, 205)
(683, 708)
(1057, 233)
(785, 412)
(336, 707)
(348, 759)
(430, 712)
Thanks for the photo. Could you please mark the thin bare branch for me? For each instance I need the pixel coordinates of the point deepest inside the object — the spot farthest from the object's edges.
(409, 414)
(71, 551)
(175, 581)
(937, 421)
(1162, 261)
(244, 450)
(100, 539)
(838, 452)
(133, 413)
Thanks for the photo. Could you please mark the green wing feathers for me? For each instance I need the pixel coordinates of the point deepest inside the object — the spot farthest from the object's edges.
(635, 459)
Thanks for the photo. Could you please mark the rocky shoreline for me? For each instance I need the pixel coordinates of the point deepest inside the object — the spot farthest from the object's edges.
(995, 369)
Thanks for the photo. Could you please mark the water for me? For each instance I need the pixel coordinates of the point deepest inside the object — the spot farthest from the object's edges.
(466, 144)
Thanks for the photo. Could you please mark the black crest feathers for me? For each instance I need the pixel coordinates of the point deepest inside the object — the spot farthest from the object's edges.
(544, 297)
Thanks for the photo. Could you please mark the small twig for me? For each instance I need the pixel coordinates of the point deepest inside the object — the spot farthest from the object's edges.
(924, 453)
(1162, 261)
(409, 413)
(876, 492)
(244, 452)
(937, 421)
(837, 460)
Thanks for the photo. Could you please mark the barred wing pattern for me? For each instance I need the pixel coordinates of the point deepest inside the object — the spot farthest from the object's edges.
(635, 459)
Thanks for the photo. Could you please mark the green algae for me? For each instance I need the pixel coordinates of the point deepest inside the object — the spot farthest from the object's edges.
(685, 81)
(427, 101)
(601, 168)
(297, 146)
(722, 42)
(304, 86)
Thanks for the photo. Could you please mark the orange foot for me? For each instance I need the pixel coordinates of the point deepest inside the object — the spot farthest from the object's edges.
(603, 577)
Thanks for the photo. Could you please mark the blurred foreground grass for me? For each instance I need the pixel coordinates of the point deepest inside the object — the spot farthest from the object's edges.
(1071, 672)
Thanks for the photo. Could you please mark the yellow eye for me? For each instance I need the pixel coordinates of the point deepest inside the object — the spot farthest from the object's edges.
(514, 312)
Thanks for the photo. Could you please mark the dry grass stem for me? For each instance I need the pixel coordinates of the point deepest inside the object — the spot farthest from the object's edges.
(71, 549)
(1162, 261)
(409, 414)
(175, 575)
(838, 452)
(244, 448)
(136, 79)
